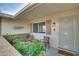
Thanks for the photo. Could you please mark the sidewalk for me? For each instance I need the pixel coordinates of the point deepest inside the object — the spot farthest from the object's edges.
(7, 49)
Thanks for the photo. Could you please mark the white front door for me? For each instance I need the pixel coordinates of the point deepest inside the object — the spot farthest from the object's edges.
(66, 33)
(77, 35)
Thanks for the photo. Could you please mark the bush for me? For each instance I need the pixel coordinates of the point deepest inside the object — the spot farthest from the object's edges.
(29, 48)
(18, 40)
(11, 38)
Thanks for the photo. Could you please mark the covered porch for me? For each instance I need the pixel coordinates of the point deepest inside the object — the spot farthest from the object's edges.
(57, 21)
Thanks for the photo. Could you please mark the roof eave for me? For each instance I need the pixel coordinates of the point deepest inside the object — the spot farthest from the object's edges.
(6, 15)
(27, 7)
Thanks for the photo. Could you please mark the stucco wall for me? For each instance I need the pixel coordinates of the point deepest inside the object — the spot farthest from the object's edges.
(54, 41)
(7, 26)
(54, 35)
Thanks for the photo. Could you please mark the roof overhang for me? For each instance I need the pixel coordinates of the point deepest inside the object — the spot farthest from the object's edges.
(37, 10)
(27, 7)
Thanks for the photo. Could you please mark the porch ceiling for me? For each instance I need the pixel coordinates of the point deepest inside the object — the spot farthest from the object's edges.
(47, 9)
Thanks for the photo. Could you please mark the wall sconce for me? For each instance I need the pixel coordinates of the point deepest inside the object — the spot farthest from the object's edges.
(54, 25)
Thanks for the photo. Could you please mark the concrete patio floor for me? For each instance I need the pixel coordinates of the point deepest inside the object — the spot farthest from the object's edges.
(52, 52)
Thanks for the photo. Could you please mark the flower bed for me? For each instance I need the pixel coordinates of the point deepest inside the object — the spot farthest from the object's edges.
(29, 48)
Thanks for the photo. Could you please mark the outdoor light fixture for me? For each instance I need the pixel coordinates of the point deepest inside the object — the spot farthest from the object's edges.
(54, 25)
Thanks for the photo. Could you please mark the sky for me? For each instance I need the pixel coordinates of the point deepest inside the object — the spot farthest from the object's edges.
(11, 8)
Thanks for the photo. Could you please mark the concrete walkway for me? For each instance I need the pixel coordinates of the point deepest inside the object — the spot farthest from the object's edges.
(6, 49)
(52, 52)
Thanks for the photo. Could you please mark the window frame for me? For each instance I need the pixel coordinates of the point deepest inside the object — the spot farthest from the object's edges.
(38, 27)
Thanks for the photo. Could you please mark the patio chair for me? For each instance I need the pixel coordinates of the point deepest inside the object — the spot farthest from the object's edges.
(32, 37)
(46, 41)
(28, 37)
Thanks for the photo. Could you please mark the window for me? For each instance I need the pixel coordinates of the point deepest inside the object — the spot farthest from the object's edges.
(39, 27)
(35, 28)
(42, 27)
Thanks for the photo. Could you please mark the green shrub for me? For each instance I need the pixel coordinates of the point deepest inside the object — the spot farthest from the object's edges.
(10, 38)
(29, 48)
(20, 46)
(42, 53)
(38, 47)
(18, 40)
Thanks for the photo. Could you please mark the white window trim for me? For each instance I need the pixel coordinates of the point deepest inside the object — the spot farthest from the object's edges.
(38, 27)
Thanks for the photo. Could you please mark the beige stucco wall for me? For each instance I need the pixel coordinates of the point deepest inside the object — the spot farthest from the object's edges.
(54, 41)
(54, 34)
(7, 26)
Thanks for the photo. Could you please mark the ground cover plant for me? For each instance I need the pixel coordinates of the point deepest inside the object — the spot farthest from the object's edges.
(27, 48)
